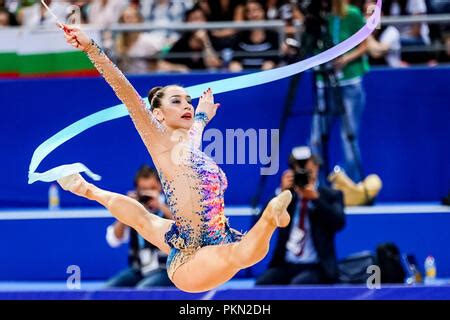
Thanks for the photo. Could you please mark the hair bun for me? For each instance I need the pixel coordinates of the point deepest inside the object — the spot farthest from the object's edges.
(153, 92)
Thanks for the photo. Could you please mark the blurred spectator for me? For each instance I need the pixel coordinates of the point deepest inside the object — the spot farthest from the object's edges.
(256, 48)
(36, 14)
(195, 49)
(7, 18)
(439, 6)
(417, 34)
(10, 5)
(134, 49)
(272, 9)
(164, 13)
(446, 39)
(291, 51)
(286, 10)
(347, 98)
(442, 7)
(384, 44)
(104, 13)
(83, 5)
(360, 4)
(4, 17)
(147, 264)
(223, 10)
(305, 249)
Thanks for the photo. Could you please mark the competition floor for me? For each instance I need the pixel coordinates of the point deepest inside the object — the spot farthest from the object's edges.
(359, 219)
(235, 290)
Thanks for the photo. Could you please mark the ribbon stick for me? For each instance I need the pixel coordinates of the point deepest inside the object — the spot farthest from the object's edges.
(219, 86)
(54, 15)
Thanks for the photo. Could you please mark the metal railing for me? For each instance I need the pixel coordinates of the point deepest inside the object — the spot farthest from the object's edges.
(279, 26)
(276, 25)
(430, 19)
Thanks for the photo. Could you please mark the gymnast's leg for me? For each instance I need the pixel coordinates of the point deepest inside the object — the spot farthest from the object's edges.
(255, 244)
(212, 266)
(127, 210)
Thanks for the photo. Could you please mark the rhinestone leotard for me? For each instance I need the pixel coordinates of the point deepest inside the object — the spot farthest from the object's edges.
(193, 183)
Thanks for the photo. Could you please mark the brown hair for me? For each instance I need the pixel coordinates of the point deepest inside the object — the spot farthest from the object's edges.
(145, 172)
(254, 2)
(340, 7)
(126, 40)
(155, 95)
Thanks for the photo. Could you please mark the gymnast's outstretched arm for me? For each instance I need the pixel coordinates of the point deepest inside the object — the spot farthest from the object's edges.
(146, 124)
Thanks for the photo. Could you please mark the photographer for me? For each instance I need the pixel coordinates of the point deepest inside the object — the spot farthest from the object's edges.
(305, 250)
(147, 264)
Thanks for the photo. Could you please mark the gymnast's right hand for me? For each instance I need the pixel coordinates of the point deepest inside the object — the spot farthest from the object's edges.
(76, 37)
(206, 104)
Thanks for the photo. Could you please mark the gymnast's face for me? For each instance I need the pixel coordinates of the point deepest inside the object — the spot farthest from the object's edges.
(176, 111)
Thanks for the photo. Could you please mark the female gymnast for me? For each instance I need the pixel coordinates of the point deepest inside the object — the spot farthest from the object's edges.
(204, 252)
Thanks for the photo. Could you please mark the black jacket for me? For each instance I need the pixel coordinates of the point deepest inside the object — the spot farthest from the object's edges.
(326, 218)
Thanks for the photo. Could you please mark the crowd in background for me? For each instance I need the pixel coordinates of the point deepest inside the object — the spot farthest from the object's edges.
(230, 49)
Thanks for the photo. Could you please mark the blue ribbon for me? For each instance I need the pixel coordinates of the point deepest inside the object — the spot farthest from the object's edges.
(220, 86)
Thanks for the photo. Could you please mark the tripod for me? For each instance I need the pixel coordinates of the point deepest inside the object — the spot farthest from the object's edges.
(329, 103)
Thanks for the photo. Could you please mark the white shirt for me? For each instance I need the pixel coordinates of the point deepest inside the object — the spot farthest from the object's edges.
(104, 16)
(147, 45)
(164, 14)
(113, 240)
(413, 7)
(391, 38)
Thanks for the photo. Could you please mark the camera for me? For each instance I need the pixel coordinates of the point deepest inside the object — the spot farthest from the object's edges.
(301, 177)
(297, 162)
(144, 198)
(316, 37)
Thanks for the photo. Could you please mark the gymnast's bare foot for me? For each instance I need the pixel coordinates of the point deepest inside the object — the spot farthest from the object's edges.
(75, 183)
(276, 209)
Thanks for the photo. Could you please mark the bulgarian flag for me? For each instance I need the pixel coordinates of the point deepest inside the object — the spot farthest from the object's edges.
(8, 52)
(41, 53)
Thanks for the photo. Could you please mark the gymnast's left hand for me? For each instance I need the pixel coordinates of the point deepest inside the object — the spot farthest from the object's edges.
(76, 37)
(206, 104)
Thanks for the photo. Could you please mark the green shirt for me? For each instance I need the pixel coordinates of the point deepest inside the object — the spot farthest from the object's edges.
(342, 29)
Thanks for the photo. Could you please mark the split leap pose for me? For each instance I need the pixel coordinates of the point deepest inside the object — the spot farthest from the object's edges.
(204, 252)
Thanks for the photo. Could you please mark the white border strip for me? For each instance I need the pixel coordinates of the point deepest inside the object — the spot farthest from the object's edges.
(89, 213)
(56, 214)
(231, 211)
(398, 209)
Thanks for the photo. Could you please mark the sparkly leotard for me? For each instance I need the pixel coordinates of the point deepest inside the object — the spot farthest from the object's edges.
(193, 183)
